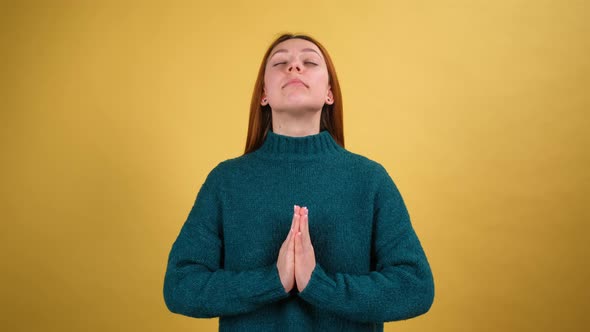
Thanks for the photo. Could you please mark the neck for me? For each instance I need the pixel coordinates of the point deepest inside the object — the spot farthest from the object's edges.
(296, 124)
(312, 147)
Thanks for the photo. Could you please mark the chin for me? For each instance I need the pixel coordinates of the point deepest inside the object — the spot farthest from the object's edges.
(296, 109)
(299, 106)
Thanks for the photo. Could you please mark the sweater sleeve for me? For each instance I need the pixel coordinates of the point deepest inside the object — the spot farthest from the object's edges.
(196, 284)
(400, 287)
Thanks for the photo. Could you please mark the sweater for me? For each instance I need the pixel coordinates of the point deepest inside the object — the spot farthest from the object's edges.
(370, 265)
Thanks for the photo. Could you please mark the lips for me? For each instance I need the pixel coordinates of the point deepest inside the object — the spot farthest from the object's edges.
(294, 81)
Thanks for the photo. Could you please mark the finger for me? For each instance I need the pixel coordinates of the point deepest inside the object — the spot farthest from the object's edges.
(291, 239)
(298, 247)
(304, 227)
(291, 230)
(296, 210)
(299, 231)
(303, 211)
(297, 222)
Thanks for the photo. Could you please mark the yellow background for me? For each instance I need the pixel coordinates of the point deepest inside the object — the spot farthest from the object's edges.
(113, 113)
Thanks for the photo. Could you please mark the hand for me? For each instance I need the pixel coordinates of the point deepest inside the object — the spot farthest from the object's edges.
(304, 254)
(286, 259)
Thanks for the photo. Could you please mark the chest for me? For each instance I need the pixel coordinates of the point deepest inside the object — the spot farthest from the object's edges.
(256, 222)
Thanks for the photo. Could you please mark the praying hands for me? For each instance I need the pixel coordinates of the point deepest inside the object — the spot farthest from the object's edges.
(296, 259)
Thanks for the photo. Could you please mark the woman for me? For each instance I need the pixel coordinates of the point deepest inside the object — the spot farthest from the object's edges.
(298, 234)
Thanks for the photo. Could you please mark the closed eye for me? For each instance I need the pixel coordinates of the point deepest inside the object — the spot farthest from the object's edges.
(279, 63)
(310, 63)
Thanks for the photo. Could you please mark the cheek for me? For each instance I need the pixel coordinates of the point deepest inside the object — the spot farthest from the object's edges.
(322, 77)
(322, 81)
(270, 84)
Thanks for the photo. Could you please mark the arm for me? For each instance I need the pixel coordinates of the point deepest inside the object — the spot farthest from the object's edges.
(401, 286)
(196, 284)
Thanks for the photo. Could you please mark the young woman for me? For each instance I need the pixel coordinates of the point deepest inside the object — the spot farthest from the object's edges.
(298, 234)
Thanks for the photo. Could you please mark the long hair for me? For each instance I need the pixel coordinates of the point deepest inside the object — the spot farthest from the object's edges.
(261, 116)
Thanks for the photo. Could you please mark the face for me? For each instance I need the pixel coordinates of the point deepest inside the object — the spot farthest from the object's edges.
(296, 78)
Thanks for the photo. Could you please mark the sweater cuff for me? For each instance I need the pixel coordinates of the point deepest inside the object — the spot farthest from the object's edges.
(275, 284)
(319, 287)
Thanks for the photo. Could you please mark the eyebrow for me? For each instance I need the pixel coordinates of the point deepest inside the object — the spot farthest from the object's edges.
(282, 50)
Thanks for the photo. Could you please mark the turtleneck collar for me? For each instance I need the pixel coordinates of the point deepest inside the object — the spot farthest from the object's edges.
(277, 146)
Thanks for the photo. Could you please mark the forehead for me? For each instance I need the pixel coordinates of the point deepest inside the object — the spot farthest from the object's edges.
(295, 45)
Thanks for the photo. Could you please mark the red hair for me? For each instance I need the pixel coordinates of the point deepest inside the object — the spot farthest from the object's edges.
(261, 116)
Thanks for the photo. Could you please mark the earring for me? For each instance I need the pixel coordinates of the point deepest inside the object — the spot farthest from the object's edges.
(264, 100)
(329, 99)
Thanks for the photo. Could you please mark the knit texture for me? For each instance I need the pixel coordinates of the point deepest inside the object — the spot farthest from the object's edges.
(370, 265)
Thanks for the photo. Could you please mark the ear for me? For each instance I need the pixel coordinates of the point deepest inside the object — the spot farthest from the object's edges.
(329, 96)
(263, 100)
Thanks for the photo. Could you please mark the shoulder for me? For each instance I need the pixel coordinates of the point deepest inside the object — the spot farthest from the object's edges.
(232, 165)
(366, 165)
(229, 168)
(374, 175)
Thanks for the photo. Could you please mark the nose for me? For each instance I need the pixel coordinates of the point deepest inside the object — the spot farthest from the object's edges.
(294, 65)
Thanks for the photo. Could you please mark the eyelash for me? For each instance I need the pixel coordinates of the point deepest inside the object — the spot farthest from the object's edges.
(306, 62)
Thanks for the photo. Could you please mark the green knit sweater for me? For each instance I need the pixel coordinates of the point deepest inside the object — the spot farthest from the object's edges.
(370, 266)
